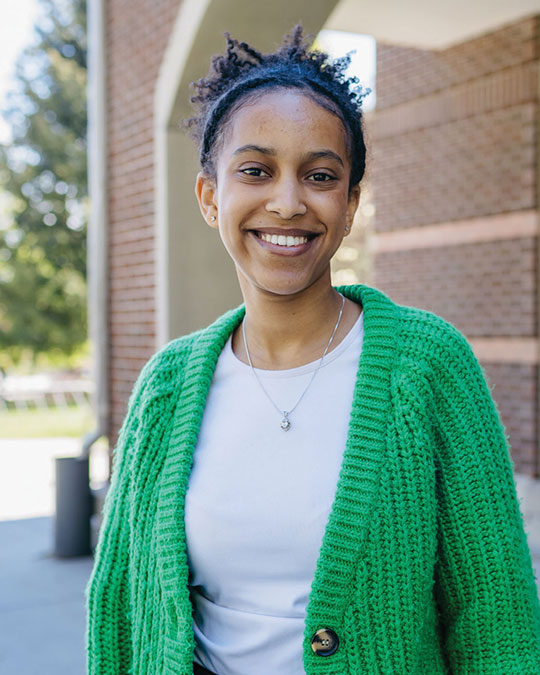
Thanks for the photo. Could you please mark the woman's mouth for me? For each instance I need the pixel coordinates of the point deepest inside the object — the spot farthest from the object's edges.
(282, 240)
(284, 244)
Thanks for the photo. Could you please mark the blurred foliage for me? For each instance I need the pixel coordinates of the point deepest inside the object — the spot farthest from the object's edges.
(44, 185)
(53, 360)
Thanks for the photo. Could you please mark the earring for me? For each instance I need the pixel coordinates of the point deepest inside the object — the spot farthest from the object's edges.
(212, 218)
(347, 228)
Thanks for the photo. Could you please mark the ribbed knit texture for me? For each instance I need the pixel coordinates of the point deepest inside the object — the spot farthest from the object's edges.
(424, 568)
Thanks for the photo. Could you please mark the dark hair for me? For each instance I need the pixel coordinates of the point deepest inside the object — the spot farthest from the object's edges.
(242, 71)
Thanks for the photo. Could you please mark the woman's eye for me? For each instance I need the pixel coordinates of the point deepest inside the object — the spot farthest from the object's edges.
(321, 177)
(254, 171)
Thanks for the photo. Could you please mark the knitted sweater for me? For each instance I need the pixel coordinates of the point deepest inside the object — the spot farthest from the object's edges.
(424, 568)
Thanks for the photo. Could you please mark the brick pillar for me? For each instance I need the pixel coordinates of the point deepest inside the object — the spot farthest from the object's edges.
(137, 34)
(454, 181)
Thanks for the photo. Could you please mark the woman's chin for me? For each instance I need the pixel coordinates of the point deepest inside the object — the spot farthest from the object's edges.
(281, 287)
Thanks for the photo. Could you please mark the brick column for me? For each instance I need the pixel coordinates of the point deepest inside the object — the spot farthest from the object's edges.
(137, 34)
(455, 188)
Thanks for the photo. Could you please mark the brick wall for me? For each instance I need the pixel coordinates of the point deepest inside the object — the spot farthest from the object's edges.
(474, 166)
(484, 288)
(137, 34)
(454, 134)
(513, 386)
(428, 71)
(454, 138)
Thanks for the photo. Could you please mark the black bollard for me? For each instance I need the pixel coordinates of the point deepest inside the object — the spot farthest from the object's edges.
(73, 507)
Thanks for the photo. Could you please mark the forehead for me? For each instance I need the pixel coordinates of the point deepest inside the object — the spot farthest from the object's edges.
(286, 120)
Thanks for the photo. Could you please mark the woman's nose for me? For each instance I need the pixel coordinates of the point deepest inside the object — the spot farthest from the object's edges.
(287, 199)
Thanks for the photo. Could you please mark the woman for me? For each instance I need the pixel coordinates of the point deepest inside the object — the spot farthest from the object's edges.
(319, 481)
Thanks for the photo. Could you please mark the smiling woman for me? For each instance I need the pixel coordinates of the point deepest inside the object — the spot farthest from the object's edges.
(318, 482)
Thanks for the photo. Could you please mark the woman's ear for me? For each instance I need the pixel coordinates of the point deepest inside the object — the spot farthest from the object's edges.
(352, 205)
(205, 191)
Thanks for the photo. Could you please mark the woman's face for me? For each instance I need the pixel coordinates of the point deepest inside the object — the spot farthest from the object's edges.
(282, 199)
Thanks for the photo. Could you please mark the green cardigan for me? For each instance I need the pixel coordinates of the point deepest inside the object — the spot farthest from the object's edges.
(424, 567)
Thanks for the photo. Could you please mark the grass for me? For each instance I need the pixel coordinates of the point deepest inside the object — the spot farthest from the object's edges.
(46, 422)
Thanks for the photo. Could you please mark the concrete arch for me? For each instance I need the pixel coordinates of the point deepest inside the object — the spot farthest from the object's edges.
(195, 279)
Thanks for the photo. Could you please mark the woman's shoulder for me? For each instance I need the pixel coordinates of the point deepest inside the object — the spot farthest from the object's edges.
(436, 366)
(422, 339)
(165, 366)
(416, 329)
(425, 327)
(433, 343)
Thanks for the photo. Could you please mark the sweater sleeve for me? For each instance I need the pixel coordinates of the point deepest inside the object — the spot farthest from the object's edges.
(108, 628)
(484, 581)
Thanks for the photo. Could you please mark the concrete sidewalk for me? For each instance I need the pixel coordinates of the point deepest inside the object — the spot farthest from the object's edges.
(42, 617)
(42, 610)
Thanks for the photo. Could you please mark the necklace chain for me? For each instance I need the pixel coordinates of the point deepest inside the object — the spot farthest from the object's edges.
(285, 421)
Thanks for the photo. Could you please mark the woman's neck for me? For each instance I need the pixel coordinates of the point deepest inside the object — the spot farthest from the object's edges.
(289, 331)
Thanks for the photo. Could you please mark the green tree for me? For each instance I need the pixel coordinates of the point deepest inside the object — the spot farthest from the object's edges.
(43, 172)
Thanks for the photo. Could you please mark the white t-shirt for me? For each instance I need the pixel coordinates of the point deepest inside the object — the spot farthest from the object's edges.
(257, 505)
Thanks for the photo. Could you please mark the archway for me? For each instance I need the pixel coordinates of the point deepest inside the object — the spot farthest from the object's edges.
(195, 278)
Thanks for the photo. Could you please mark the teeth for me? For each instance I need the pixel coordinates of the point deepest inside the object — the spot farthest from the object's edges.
(282, 240)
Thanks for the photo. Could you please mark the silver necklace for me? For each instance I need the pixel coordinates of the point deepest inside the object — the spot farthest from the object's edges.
(285, 421)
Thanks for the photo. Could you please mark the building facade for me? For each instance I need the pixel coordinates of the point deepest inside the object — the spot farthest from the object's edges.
(453, 146)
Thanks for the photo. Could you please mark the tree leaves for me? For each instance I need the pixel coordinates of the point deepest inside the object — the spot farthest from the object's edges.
(43, 246)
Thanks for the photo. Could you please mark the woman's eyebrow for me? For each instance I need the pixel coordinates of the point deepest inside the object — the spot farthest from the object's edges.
(325, 154)
(315, 154)
(254, 148)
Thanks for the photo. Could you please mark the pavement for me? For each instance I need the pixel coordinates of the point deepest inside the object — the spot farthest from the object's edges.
(42, 608)
(42, 617)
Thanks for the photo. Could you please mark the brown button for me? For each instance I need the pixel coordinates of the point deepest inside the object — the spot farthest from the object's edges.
(325, 642)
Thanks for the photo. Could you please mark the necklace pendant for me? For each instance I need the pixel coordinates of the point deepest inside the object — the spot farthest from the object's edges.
(285, 422)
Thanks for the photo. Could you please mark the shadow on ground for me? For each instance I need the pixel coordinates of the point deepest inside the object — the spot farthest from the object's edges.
(42, 615)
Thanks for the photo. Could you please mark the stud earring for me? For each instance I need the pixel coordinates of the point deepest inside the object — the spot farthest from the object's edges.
(212, 218)
(347, 228)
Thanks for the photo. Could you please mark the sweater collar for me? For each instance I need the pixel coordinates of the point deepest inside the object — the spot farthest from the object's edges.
(357, 484)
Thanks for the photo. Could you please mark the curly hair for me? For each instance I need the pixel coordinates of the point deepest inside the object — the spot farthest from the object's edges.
(242, 71)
